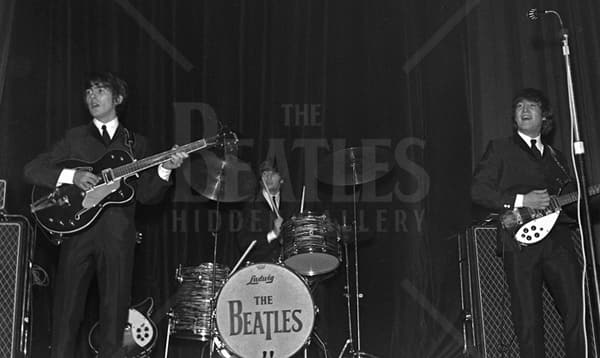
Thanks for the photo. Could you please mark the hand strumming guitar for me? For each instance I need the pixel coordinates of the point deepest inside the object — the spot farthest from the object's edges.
(85, 180)
(537, 199)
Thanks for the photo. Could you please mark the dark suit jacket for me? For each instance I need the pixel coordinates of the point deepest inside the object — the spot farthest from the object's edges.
(509, 167)
(84, 143)
(257, 222)
(106, 247)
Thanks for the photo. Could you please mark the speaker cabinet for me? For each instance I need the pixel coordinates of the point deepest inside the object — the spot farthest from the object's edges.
(488, 328)
(14, 288)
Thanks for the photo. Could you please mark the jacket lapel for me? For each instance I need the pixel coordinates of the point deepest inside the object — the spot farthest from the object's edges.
(524, 146)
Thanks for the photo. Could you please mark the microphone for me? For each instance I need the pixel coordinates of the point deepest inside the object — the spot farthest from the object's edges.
(534, 14)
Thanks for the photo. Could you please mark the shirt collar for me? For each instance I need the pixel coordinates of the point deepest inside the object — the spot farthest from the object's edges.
(111, 126)
(528, 139)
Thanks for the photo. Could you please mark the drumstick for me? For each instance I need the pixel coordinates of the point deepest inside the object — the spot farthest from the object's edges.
(302, 201)
(270, 199)
(243, 257)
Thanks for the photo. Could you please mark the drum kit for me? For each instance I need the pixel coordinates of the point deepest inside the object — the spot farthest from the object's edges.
(267, 309)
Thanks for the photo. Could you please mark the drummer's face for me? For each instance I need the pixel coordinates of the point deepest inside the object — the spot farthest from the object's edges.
(272, 180)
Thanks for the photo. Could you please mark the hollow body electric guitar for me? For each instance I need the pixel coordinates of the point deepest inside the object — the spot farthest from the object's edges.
(530, 226)
(139, 336)
(68, 209)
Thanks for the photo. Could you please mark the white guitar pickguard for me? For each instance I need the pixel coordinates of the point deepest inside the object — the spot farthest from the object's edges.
(96, 194)
(536, 230)
(142, 331)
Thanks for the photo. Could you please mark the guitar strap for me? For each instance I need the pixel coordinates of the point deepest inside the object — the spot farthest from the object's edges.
(129, 141)
(567, 179)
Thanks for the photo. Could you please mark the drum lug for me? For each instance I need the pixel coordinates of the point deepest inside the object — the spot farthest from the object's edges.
(178, 276)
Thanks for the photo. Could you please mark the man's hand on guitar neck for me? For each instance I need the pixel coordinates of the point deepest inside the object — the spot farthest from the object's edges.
(536, 199)
(85, 180)
(176, 160)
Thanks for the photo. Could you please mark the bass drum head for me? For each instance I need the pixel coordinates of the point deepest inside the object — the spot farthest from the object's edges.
(265, 310)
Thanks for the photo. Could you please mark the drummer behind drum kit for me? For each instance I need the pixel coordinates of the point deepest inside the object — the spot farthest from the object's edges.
(264, 309)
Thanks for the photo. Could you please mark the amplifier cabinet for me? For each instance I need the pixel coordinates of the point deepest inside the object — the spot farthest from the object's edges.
(488, 328)
(14, 288)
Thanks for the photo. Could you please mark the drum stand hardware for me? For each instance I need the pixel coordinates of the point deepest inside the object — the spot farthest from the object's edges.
(168, 338)
(322, 345)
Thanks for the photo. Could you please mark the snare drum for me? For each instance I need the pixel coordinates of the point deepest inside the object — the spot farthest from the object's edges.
(264, 310)
(193, 309)
(311, 244)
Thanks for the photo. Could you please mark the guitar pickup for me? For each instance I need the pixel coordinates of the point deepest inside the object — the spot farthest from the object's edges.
(107, 175)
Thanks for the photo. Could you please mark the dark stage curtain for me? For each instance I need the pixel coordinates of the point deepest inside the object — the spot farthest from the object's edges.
(428, 81)
(6, 21)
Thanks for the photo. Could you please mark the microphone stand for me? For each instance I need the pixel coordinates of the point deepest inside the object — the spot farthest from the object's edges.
(589, 249)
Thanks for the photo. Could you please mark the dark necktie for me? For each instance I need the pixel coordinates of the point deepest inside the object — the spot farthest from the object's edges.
(535, 149)
(105, 136)
(276, 207)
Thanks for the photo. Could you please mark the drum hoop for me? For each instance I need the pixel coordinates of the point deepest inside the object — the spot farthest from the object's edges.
(302, 280)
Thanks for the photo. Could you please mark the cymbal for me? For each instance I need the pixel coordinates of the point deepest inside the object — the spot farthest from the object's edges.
(355, 165)
(225, 179)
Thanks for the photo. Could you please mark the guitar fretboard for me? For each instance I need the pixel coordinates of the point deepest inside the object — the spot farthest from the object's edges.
(156, 159)
(572, 197)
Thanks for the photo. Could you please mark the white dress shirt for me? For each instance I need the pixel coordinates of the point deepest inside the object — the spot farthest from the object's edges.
(538, 143)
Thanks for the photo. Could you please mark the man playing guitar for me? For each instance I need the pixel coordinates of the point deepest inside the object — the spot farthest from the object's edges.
(106, 247)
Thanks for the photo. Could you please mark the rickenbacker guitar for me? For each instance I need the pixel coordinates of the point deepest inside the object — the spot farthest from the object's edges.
(530, 226)
(68, 209)
(140, 334)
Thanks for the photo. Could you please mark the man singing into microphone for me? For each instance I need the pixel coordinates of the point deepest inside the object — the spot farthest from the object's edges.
(523, 171)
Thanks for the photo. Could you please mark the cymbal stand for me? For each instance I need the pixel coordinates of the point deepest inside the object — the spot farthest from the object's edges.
(354, 352)
(349, 307)
(215, 235)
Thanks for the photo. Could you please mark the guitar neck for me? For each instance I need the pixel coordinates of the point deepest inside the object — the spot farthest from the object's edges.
(572, 197)
(130, 169)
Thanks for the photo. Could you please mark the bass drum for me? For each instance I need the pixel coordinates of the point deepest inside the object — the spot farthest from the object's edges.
(263, 310)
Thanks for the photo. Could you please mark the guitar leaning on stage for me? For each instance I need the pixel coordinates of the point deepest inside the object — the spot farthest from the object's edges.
(140, 333)
(530, 226)
(68, 209)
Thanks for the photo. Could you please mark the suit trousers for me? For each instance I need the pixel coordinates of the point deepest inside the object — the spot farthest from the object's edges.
(111, 258)
(553, 260)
